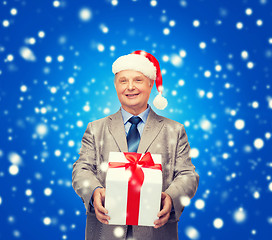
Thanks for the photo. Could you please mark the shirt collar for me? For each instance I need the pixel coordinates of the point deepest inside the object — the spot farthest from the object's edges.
(126, 115)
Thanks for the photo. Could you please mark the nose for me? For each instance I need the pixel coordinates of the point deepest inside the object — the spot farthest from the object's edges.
(130, 85)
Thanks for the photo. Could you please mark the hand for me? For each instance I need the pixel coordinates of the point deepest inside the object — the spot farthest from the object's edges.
(98, 202)
(164, 214)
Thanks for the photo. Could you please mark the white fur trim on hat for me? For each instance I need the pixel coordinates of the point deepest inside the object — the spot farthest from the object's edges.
(135, 62)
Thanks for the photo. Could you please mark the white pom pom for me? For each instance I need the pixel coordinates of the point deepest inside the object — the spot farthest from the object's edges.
(160, 102)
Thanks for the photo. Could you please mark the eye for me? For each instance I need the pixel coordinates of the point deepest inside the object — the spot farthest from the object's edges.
(138, 80)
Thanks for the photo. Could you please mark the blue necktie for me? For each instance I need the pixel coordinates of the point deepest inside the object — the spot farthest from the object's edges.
(133, 140)
(133, 137)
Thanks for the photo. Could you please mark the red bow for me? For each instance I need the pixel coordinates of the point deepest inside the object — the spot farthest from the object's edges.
(135, 181)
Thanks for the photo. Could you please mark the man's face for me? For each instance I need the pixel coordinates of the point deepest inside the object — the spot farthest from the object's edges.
(133, 90)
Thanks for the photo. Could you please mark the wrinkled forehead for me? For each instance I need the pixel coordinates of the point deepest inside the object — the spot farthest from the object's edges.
(129, 74)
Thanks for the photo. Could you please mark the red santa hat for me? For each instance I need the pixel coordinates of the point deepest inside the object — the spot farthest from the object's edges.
(148, 65)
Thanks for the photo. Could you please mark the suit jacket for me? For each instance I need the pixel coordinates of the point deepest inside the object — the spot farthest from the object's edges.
(160, 136)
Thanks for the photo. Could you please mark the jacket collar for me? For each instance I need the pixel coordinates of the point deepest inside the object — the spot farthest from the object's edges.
(152, 128)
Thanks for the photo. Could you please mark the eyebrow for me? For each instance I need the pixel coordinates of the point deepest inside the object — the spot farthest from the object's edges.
(141, 77)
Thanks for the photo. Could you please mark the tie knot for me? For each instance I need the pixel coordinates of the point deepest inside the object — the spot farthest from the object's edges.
(135, 120)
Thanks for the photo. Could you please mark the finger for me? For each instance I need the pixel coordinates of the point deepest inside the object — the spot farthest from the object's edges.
(102, 220)
(98, 205)
(163, 195)
(166, 209)
(161, 219)
(162, 212)
(160, 222)
(159, 225)
(101, 209)
(101, 216)
(105, 221)
(102, 196)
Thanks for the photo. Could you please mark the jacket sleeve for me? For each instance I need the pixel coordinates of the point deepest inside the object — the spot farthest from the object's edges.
(84, 179)
(185, 182)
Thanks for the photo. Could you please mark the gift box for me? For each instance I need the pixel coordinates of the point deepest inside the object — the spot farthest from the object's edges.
(133, 188)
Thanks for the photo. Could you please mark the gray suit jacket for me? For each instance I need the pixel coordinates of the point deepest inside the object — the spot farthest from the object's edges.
(160, 136)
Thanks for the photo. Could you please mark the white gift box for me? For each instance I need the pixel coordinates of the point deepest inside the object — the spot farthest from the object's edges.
(117, 183)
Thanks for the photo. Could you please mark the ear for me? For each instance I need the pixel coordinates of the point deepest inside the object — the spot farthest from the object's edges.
(114, 81)
(152, 83)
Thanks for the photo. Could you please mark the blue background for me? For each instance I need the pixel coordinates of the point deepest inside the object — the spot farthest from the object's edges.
(43, 114)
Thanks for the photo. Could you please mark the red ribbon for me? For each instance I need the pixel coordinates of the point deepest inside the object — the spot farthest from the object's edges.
(135, 181)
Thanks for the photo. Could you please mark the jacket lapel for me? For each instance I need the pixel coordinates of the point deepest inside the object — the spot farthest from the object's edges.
(152, 128)
(117, 129)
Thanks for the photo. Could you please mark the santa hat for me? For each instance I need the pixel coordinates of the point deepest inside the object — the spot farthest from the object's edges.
(148, 65)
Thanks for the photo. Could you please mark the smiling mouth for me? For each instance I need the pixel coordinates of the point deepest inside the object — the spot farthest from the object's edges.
(132, 95)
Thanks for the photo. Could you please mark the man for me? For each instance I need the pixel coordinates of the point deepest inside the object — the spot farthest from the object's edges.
(135, 128)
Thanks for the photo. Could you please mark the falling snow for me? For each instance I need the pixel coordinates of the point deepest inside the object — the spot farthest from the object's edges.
(27, 54)
(192, 233)
(85, 14)
(56, 77)
(218, 223)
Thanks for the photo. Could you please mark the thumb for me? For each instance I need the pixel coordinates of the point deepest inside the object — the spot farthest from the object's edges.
(163, 195)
